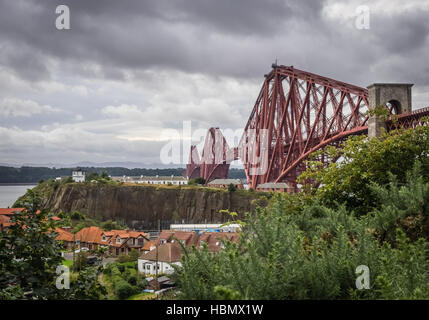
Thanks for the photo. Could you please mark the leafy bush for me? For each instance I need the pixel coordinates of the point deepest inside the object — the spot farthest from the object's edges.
(298, 248)
(123, 289)
(124, 279)
(76, 215)
(365, 162)
(231, 187)
(195, 181)
(111, 225)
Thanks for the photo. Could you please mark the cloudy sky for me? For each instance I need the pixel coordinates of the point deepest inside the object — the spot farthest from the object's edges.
(105, 90)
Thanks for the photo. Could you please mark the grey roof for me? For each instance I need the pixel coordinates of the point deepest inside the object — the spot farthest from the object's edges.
(273, 185)
(225, 181)
(163, 278)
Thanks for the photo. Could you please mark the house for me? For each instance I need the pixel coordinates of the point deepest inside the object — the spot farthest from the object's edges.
(89, 237)
(117, 241)
(78, 175)
(163, 257)
(4, 222)
(5, 214)
(275, 187)
(214, 240)
(166, 180)
(224, 183)
(187, 238)
(123, 241)
(67, 238)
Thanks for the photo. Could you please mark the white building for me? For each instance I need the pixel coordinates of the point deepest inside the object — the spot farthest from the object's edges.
(163, 257)
(167, 180)
(206, 227)
(78, 175)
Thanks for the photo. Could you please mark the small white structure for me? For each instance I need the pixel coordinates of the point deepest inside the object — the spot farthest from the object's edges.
(162, 257)
(78, 175)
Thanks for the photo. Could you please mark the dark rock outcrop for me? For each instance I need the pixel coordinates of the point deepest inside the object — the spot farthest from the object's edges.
(143, 206)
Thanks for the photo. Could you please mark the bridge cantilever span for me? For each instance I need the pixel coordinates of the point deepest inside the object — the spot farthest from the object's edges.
(298, 113)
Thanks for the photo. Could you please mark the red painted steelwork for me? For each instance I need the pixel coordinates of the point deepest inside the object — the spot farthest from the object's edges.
(215, 158)
(301, 112)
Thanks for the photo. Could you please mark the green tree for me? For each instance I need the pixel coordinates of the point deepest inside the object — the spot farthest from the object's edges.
(298, 248)
(111, 225)
(366, 161)
(198, 180)
(231, 187)
(29, 253)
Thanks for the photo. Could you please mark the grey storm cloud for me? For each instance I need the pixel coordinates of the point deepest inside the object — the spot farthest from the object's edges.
(184, 35)
(223, 37)
(171, 60)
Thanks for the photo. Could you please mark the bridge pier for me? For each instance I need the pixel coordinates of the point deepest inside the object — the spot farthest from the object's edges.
(395, 95)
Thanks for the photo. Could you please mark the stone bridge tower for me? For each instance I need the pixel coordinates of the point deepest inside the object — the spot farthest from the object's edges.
(398, 95)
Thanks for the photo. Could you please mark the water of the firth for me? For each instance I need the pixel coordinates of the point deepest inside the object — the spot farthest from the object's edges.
(9, 193)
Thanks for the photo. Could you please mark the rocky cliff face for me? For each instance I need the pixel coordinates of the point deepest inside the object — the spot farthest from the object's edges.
(143, 206)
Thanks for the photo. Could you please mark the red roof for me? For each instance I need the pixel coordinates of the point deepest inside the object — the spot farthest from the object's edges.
(148, 245)
(10, 211)
(214, 239)
(124, 235)
(64, 235)
(90, 235)
(188, 238)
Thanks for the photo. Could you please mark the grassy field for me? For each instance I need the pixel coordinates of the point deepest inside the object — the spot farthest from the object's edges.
(68, 263)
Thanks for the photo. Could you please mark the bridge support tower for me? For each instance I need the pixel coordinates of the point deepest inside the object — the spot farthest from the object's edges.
(395, 96)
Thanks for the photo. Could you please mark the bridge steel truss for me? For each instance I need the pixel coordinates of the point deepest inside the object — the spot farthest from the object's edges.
(296, 113)
(300, 112)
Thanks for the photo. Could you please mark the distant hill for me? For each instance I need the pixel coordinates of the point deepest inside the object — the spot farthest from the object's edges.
(35, 174)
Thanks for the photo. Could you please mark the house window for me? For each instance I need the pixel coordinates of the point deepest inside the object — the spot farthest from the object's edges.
(148, 267)
(118, 240)
(103, 238)
(163, 241)
(140, 241)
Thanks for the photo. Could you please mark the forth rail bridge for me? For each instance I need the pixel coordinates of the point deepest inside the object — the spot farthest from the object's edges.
(298, 113)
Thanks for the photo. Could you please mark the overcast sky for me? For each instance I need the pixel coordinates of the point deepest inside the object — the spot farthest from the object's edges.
(104, 90)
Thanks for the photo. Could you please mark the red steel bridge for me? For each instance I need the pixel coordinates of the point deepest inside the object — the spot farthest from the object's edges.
(296, 113)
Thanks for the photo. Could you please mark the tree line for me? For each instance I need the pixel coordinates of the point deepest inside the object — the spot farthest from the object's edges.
(36, 174)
